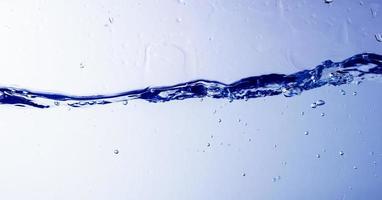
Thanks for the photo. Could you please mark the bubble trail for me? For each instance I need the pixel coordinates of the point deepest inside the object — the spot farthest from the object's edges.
(360, 67)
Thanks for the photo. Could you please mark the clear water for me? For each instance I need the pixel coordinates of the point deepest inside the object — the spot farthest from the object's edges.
(209, 99)
(356, 69)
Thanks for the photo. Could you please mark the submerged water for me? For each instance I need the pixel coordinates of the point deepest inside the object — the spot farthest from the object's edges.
(360, 67)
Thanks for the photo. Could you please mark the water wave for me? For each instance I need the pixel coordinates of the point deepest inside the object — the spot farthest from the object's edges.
(357, 68)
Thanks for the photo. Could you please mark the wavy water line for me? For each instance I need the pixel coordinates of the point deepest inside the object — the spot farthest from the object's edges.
(357, 68)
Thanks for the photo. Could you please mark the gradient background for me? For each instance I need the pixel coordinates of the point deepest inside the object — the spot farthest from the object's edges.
(92, 47)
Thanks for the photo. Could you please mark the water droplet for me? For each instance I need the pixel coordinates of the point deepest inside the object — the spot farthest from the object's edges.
(182, 2)
(318, 155)
(116, 151)
(341, 153)
(82, 65)
(111, 20)
(320, 102)
(373, 12)
(342, 92)
(306, 132)
(378, 37)
(328, 1)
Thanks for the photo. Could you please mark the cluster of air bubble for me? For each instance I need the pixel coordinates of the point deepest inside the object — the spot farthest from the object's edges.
(357, 68)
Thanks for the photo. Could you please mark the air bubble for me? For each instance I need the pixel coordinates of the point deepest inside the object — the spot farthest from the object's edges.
(322, 114)
(313, 105)
(341, 153)
(306, 133)
(328, 1)
(318, 156)
(125, 102)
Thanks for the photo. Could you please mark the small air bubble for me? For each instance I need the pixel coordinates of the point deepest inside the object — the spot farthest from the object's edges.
(322, 114)
(125, 102)
(306, 132)
(341, 153)
(313, 105)
(243, 174)
(179, 20)
(355, 93)
(220, 120)
(355, 167)
(318, 156)
(208, 144)
(328, 1)
(56, 103)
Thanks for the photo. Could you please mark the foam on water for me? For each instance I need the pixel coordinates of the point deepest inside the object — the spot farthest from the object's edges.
(360, 67)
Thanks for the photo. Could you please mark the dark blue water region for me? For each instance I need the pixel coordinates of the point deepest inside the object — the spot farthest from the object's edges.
(358, 68)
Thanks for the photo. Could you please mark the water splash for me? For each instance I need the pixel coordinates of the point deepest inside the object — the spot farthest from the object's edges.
(357, 68)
